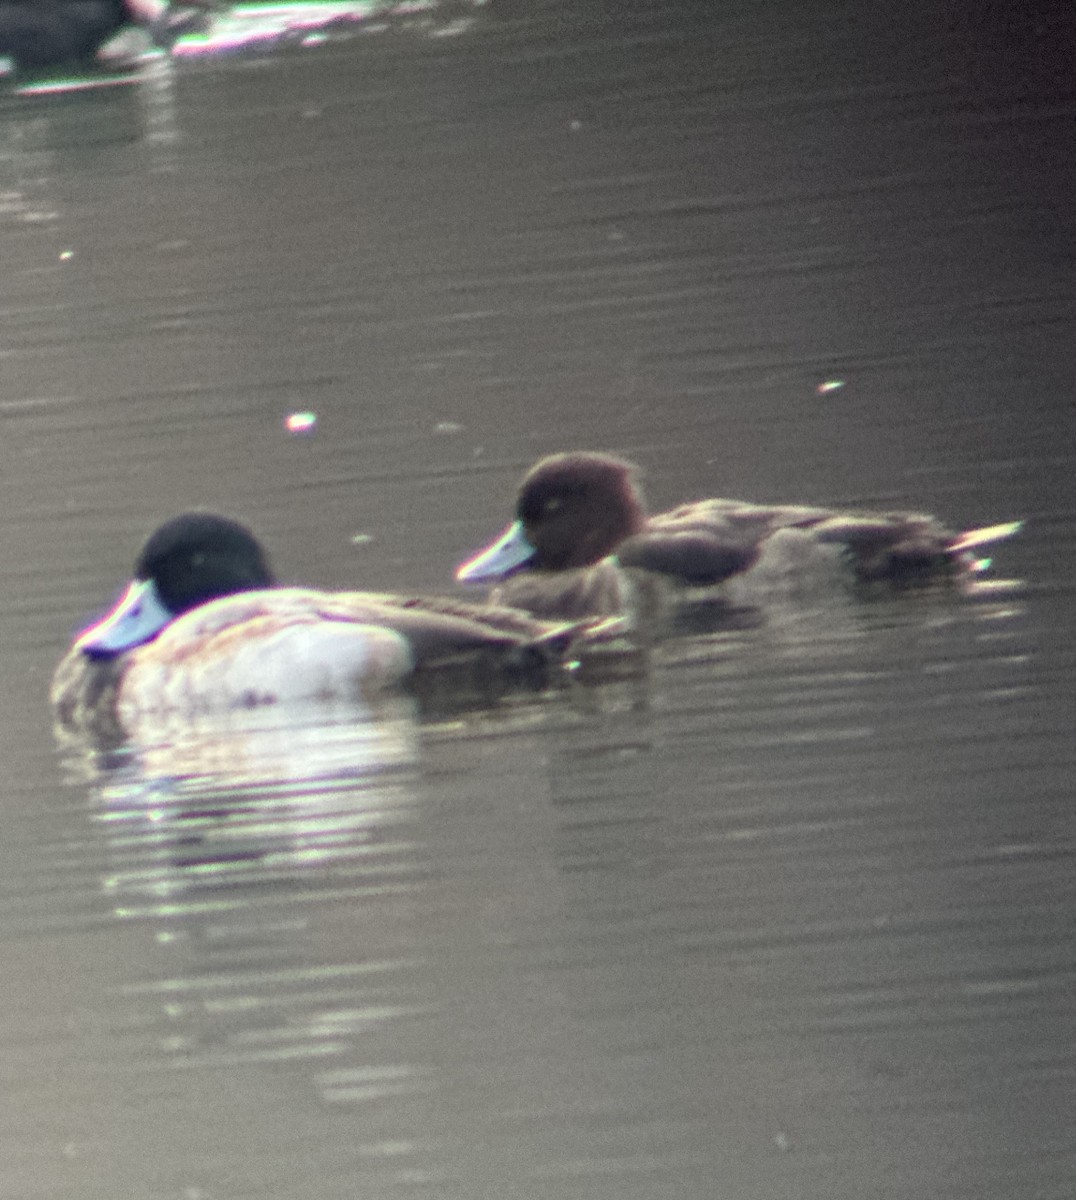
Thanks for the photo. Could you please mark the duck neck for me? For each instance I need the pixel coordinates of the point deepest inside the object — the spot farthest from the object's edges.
(621, 519)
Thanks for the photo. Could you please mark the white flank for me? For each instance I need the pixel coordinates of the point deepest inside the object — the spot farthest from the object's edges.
(191, 669)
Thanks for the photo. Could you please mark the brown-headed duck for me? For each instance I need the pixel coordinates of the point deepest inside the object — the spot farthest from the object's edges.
(204, 627)
(580, 518)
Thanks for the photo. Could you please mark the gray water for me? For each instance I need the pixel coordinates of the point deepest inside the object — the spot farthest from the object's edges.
(789, 916)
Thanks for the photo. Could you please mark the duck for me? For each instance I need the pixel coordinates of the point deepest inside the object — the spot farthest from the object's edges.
(204, 626)
(581, 533)
(38, 34)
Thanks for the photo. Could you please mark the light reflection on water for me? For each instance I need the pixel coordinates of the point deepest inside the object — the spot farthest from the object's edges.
(221, 842)
(572, 939)
(199, 823)
(236, 816)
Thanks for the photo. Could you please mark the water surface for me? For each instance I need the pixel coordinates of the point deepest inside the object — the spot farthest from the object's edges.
(791, 915)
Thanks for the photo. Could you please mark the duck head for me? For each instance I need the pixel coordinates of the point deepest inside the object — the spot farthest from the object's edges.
(573, 510)
(188, 561)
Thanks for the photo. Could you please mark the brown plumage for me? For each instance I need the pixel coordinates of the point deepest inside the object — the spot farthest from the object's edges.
(580, 516)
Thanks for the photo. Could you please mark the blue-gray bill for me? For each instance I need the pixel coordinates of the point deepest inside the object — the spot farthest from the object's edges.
(511, 552)
(137, 617)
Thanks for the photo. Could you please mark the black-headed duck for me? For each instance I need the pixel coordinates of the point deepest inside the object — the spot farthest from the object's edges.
(204, 627)
(580, 518)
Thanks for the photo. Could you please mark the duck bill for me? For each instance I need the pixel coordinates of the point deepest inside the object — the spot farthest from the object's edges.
(137, 617)
(510, 553)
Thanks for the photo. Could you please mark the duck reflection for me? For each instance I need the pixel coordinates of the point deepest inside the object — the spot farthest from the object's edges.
(227, 837)
(292, 746)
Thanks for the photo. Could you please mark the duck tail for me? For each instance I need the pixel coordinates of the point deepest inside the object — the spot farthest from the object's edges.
(961, 546)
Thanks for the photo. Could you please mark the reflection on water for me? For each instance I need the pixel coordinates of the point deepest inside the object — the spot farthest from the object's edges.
(221, 839)
(748, 913)
(245, 802)
(248, 26)
(283, 744)
(227, 29)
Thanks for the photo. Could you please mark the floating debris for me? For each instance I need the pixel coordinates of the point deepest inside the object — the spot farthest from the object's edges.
(300, 422)
(828, 386)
